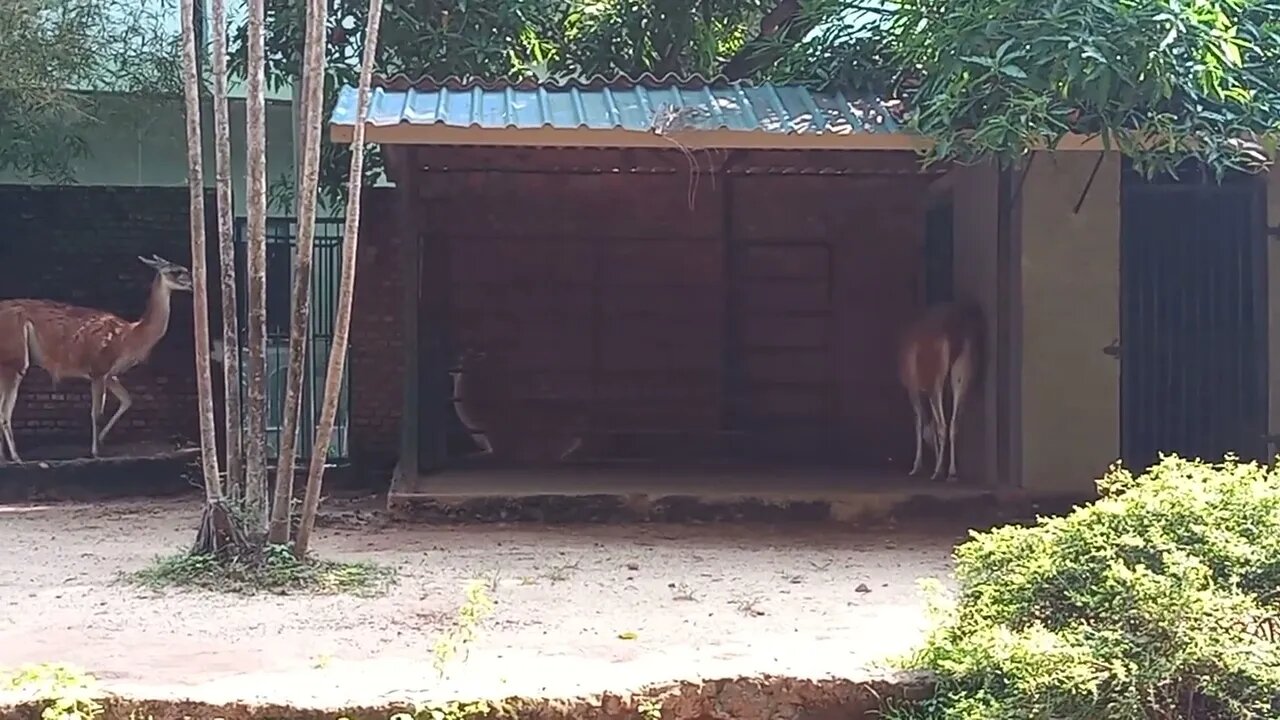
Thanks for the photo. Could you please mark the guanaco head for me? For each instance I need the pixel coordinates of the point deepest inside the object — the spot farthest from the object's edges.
(174, 276)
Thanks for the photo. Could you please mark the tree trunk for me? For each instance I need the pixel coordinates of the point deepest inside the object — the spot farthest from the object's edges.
(256, 164)
(199, 292)
(226, 253)
(312, 78)
(342, 320)
(213, 525)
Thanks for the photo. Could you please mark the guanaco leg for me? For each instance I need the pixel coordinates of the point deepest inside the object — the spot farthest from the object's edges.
(961, 382)
(122, 397)
(10, 382)
(939, 425)
(921, 428)
(97, 395)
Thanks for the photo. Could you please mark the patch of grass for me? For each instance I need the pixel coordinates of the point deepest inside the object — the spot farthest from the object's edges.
(446, 711)
(274, 569)
(63, 692)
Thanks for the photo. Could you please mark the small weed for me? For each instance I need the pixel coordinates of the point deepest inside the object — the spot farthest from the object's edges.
(749, 606)
(493, 580)
(475, 608)
(274, 569)
(560, 573)
(528, 580)
(682, 592)
(66, 693)
(649, 709)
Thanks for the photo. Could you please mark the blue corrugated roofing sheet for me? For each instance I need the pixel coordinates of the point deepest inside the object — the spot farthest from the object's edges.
(645, 104)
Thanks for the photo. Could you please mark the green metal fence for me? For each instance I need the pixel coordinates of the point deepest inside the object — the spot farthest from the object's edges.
(326, 267)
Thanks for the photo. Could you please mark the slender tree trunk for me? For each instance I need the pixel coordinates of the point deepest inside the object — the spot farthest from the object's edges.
(200, 295)
(256, 163)
(217, 532)
(226, 253)
(312, 78)
(342, 320)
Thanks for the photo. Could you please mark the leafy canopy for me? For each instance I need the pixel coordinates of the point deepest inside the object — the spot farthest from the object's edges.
(1157, 601)
(1163, 81)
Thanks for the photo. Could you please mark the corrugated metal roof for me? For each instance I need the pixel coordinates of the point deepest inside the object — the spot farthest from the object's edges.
(642, 104)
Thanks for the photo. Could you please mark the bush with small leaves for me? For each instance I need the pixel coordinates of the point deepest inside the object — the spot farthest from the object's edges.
(1159, 600)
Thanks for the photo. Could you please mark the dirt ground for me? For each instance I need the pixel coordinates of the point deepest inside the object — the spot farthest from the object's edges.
(702, 602)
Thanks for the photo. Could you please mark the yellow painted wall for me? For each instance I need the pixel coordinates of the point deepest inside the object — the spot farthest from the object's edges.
(1071, 311)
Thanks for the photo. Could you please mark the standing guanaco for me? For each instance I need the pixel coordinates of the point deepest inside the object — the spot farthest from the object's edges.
(942, 349)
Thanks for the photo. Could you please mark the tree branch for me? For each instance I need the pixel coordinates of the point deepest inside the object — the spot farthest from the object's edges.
(760, 52)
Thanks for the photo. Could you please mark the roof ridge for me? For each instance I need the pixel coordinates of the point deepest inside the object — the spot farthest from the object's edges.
(401, 82)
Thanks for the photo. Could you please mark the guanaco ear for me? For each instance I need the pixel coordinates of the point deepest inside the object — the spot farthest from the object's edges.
(147, 261)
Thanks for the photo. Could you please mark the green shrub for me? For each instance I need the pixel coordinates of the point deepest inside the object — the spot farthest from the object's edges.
(1158, 601)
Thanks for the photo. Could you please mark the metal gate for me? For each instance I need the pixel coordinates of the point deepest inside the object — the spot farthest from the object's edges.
(1193, 318)
(325, 268)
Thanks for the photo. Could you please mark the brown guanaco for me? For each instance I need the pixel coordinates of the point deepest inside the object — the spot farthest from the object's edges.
(941, 350)
(70, 341)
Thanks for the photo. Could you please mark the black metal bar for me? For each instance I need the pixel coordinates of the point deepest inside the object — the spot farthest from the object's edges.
(1262, 326)
(939, 252)
(1093, 174)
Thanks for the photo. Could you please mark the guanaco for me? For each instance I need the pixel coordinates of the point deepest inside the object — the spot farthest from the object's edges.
(506, 426)
(941, 350)
(70, 341)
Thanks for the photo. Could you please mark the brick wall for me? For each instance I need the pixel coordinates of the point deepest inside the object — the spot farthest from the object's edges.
(80, 245)
(375, 364)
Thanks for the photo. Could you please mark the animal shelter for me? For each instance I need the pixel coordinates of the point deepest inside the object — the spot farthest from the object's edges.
(702, 285)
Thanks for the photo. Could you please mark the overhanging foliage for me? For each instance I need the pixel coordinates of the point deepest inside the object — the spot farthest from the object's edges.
(1163, 81)
(58, 56)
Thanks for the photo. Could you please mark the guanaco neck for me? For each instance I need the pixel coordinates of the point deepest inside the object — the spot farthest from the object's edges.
(154, 322)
